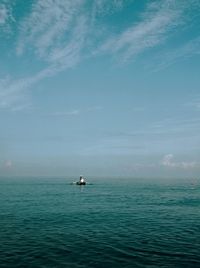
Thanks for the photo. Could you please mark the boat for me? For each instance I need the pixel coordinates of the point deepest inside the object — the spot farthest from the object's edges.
(81, 181)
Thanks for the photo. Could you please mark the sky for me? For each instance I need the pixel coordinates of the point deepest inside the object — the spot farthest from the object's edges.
(100, 88)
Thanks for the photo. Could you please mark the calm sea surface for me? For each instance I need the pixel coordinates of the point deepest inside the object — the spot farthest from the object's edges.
(109, 223)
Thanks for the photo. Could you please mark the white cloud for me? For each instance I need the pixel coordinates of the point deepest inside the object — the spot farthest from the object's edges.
(58, 34)
(157, 22)
(13, 93)
(179, 125)
(7, 164)
(69, 113)
(55, 33)
(50, 24)
(104, 6)
(3, 14)
(6, 17)
(168, 161)
(9, 92)
(180, 53)
(76, 112)
(194, 104)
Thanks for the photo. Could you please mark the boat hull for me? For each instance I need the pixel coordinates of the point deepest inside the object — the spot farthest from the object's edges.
(80, 183)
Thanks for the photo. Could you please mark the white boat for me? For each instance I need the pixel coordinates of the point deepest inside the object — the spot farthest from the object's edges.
(81, 181)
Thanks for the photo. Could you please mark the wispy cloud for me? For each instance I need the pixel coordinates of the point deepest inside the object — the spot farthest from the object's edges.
(165, 127)
(181, 53)
(156, 23)
(159, 22)
(194, 104)
(3, 14)
(7, 164)
(6, 16)
(47, 25)
(76, 112)
(54, 32)
(175, 126)
(13, 93)
(168, 161)
(63, 114)
(58, 34)
(104, 7)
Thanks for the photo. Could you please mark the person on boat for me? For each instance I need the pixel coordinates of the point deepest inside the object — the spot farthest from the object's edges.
(82, 179)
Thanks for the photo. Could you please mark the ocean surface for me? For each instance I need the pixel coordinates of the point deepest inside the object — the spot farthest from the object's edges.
(108, 223)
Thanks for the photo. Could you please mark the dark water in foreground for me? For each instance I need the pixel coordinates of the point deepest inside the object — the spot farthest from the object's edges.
(132, 223)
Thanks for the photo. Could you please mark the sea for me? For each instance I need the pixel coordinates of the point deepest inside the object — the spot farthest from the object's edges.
(121, 222)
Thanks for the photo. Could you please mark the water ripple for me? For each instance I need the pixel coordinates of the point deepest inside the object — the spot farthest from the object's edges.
(108, 224)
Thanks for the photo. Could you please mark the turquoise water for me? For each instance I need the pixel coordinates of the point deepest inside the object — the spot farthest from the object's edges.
(110, 223)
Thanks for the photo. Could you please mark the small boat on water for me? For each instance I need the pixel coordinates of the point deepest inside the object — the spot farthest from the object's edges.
(81, 181)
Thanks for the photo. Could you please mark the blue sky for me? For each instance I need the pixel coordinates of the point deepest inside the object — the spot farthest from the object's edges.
(104, 88)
